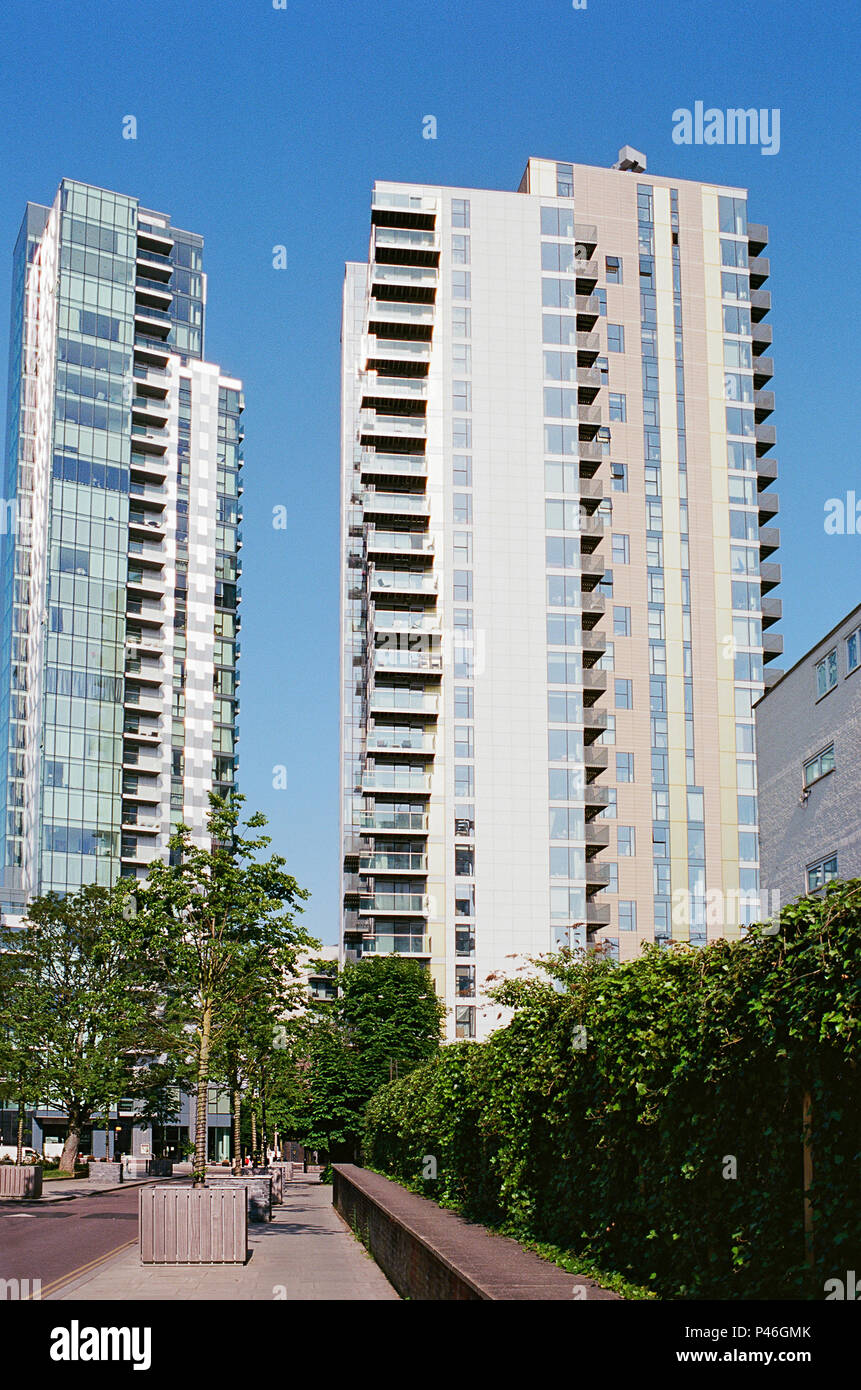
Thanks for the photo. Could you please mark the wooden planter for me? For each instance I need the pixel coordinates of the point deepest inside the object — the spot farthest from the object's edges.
(259, 1190)
(105, 1172)
(193, 1226)
(21, 1180)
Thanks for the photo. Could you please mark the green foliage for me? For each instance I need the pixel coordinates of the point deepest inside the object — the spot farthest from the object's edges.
(618, 1152)
(385, 1021)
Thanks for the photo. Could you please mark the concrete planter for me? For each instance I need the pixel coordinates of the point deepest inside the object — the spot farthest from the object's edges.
(161, 1167)
(193, 1226)
(105, 1172)
(24, 1180)
(259, 1190)
(277, 1177)
(286, 1169)
(135, 1166)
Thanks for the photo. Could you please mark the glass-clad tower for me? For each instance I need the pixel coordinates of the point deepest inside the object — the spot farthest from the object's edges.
(120, 547)
(557, 583)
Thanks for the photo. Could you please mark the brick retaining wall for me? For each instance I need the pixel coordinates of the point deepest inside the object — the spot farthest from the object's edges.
(432, 1254)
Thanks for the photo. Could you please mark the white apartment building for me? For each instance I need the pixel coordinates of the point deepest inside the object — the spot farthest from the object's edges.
(556, 587)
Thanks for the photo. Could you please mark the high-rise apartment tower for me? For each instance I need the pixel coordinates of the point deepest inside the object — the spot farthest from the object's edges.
(120, 557)
(556, 583)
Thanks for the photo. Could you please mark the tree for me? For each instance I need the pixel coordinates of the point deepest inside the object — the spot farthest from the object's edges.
(79, 1011)
(221, 921)
(385, 1021)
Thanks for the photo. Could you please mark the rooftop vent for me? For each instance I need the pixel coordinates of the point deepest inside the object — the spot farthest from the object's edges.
(631, 159)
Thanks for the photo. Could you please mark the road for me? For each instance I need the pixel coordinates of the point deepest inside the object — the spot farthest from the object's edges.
(58, 1241)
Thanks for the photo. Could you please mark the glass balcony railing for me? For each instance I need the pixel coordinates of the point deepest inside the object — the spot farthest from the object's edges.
(382, 819)
(386, 659)
(402, 581)
(395, 779)
(409, 503)
(414, 202)
(394, 310)
(405, 275)
(402, 945)
(413, 425)
(409, 740)
(399, 348)
(392, 902)
(402, 697)
(406, 236)
(416, 541)
(395, 861)
(411, 386)
(407, 465)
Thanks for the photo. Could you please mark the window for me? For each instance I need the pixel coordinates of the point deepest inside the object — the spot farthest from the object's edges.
(461, 322)
(461, 357)
(817, 767)
(459, 249)
(624, 694)
(621, 622)
(626, 841)
(462, 586)
(461, 395)
(826, 673)
(463, 702)
(613, 269)
(564, 180)
(615, 337)
(560, 328)
(557, 222)
(601, 296)
(462, 508)
(460, 212)
(732, 216)
(621, 549)
(733, 252)
(462, 466)
(461, 284)
(557, 294)
(618, 406)
(464, 981)
(464, 1021)
(627, 915)
(557, 255)
(461, 432)
(821, 873)
(463, 747)
(624, 767)
(609, 811)
(853, 651)
(562, 553)
(464, 941)
(619, 475)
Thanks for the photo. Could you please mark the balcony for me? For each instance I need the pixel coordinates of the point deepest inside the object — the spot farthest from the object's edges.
(414, 742)
(405, 246)
(597, 835)
(384, 820)
(762, 335)
(149, 440)
(416, 543)
(772, 611)
(771, 675)
(374, 464)
(769, 541)
(157, 239)
(393, 862)
(594, 684)
(411, 350)
(591, 456)
(594, 642)
(766, 438)
(151, 320)
(373, 425)
(395, 504)
(592, 606)
(596, 759)
(151, 352)
(148, 411)
(588, 310)
(763, 404)
(757, 237)
(399, 779)
(766, 470)
(148, 525)
(142, 736)
(395, 312)
(770, 575)
(763, 371)
(395, 945)
(591, 570)
(595, 798)
(405, 662)
(585, 237)
(589, 383)
(592, 531)
(760, 269)
(597, 915)
(418, 201)
(772, 645)
(594, 722)
(586, 271)
(769, 506)
(153, 266)
(402, 699)
(378, 386)
(151, 467)
(393, 622)
(760, 304)
(597, 876)
(393, 904)
(588, 347)
(410, 582)
(145, 827)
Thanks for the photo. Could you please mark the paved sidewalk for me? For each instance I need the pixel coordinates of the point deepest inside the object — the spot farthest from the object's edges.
(307, 1252)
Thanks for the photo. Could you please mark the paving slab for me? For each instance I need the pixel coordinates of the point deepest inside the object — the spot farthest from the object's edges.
(307, 1252)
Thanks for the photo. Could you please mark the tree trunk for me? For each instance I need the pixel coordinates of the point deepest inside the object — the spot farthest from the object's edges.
(807, 1173)
(198, 1175)
(69, 1156)
(253, 1132)
(20, 1135)
(237, 1140)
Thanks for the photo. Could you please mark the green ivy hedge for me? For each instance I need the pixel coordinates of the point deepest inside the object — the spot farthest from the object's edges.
(740, 1058)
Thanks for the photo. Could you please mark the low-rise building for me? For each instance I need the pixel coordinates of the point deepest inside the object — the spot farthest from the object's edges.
(808, 736)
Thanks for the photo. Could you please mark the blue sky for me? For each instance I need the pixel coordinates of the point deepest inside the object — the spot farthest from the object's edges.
(260, 127)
